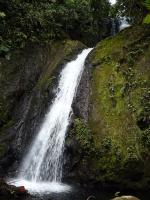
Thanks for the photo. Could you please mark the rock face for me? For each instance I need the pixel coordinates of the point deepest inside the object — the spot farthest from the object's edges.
(82, 99)
(112, 146)
(27, 85)
(79, 136)
(119, 117)
(10, 191)
(108, 139)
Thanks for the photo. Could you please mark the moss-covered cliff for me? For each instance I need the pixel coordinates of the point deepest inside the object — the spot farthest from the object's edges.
(109, 139)
(28, 79)
(117, 150)
(120, 111)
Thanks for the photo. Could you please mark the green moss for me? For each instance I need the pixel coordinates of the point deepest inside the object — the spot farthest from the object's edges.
(82, 133)
(120, 88)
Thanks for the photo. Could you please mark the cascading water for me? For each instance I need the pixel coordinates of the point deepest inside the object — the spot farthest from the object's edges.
(43, 163)
(123, 23)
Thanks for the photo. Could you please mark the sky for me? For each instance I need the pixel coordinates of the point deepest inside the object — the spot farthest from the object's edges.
(112, 1)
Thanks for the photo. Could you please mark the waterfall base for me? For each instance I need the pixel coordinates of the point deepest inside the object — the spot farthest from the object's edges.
(41, 187)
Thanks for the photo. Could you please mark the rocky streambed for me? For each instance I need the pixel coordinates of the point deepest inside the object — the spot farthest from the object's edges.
(77, 192)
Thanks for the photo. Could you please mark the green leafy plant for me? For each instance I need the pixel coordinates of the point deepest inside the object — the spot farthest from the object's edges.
(83, 133)
(147, 18)
(23, 21)
(146, 138)
(133, 10)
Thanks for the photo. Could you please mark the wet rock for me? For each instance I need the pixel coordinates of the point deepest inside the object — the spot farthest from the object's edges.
(82, 100)
(91, 197)
(126, 198)
(11, 190)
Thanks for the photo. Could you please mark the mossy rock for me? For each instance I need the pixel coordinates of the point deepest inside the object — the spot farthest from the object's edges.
(120, 109)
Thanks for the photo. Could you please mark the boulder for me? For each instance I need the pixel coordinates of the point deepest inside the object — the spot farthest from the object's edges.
(11, 190)
(126, 198)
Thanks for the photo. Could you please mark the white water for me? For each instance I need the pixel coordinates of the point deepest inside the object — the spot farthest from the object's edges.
(112, 1)
(41, 169)
(123, 23)
(41, 187)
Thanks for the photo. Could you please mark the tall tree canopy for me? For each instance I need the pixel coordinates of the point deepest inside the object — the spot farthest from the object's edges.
(135, 10)
(44, 20)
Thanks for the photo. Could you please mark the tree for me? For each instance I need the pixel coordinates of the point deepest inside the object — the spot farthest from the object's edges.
(134, 10)
(23, 21)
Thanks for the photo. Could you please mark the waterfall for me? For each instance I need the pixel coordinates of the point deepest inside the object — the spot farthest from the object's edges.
(118, 24)
(123, 23)
(43, 162)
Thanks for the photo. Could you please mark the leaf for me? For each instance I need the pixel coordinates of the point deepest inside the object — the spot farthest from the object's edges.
(147, 19)
(2, 15)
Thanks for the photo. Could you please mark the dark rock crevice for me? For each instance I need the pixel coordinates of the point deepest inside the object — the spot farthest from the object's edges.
(74, 153)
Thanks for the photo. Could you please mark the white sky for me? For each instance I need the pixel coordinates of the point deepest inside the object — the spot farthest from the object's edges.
(112, 1)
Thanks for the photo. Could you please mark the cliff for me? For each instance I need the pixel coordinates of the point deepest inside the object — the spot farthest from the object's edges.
(112, 146)
(108, 140)
(28, 80)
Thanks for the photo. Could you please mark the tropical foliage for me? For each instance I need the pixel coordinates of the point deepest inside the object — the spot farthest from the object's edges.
(147, 18)
(44, 20)
(134, 10)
